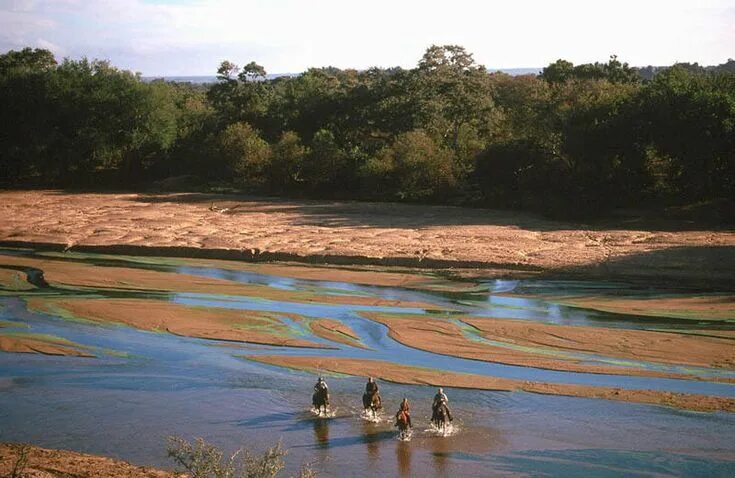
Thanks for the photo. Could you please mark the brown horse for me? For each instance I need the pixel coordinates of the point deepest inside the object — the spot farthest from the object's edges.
(403, 422)
(320, 400)
(372, 403)
(441, 416)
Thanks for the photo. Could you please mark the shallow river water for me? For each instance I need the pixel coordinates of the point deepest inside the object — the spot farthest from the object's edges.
(125, 403)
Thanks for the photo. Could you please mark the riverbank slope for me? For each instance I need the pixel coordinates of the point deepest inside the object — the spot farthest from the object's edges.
(245, 228)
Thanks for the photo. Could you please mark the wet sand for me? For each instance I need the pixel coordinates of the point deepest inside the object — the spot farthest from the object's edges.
(13, 280)
(447, 338)
(43, 463)
(76, 274)
(40, 344)
(365, 233)
(398, 373)
(206, 323)
(714, 307)
(652, 346)
(335, 331)
(334, 273)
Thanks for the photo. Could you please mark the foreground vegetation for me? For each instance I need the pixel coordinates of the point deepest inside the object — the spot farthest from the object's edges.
(205, 460)
(574, 140)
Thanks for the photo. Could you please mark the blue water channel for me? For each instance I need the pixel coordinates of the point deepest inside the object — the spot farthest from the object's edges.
(143, 386)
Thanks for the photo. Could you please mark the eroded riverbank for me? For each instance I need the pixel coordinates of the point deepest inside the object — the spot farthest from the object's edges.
(230, 227)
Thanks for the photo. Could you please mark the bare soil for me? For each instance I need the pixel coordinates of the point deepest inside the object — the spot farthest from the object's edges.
(77, 274)
(46, 463)
(206, 323)
(365, 233)
(39, 345)
(443, 337)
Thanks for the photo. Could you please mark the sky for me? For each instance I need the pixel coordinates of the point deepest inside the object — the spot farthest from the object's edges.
(191, 37)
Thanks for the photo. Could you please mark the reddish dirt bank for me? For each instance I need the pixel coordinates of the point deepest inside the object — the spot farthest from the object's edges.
(75, 274)
(394, 372)
(205, 323)
(547, 343)
(39, 345)
(45, 463)
(363, 233)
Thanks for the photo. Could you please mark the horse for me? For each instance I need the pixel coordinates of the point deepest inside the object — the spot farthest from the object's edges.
(440, 416)
(320, 400)
(372, 402)
(403, 422)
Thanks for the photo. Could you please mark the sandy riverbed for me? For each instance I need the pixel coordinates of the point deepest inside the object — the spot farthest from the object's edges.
(352, 232)
(395, 372)
(77, 274)
(40, 344)
(46, 463)
(206, 323)
(545, 344)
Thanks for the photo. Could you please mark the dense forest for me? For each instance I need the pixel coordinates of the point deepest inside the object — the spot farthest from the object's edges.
(574, 140)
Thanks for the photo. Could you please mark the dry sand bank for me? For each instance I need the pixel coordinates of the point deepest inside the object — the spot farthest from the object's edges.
(77, 274)
(335, 331)
(40, 344)
(447, 338)
(651, 346)
(13, 280)
(46, 463)
(394, 372)
(713, 307)
(363, 233)
(206, 323)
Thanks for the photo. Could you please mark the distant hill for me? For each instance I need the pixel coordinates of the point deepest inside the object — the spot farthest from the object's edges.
(204, 79)
(647, 72)
(516, 71)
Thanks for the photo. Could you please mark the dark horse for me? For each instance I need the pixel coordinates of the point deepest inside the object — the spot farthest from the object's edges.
(403, 422)
(372, 402)
(320, 400)
(441, 416)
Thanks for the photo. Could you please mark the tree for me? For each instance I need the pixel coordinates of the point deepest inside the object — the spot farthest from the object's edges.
(246, 153)
(287, 163)
(453, 92)
(558, 72)
(27, 60)
(327, 169)
(414, 168)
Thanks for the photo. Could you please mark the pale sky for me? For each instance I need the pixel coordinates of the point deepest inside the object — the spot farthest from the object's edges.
(191, 37)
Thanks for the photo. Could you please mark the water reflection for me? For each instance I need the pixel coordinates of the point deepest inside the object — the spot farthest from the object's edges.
(440, 452)
(321, 432)
(372, 440)
(403, 457)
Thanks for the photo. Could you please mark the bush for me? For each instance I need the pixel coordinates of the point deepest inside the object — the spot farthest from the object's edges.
(204, 460)
(413, 168)
(246, 153)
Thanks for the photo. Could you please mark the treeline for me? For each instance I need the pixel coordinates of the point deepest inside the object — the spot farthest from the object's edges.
(574, 140)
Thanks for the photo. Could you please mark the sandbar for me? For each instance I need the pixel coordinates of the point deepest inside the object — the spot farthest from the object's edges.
(200, 322)
(397, 373)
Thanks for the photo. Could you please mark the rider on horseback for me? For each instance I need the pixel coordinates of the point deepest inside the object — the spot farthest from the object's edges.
(371, 388)
(405, 409)
(441, 400)
(321, 386)
(320, 399)
(371, 397)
